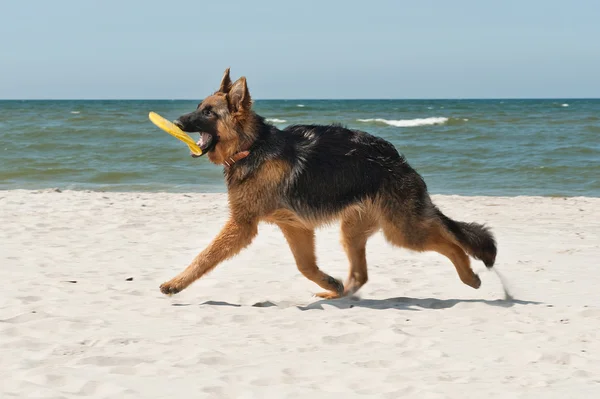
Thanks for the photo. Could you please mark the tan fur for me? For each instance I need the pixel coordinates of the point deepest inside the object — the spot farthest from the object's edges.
(431, 237)
(226, 84)
(235, 124)
(302, 243)
(357, 227)
(439, 241)
(234, 236)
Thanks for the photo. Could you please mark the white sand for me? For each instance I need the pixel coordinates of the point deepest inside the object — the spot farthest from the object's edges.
(417, 332)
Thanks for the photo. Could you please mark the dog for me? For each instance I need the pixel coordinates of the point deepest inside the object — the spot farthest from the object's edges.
(305, 176)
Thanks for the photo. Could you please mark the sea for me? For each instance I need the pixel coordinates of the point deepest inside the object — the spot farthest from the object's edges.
(500, 147)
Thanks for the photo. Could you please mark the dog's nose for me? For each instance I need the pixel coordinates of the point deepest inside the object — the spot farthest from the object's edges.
(178, 123)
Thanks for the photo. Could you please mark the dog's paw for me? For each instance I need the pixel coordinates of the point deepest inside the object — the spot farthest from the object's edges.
(474, 282)
(170, 287)
(328, 295)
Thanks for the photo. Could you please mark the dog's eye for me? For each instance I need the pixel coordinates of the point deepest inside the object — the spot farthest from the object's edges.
(207, 112)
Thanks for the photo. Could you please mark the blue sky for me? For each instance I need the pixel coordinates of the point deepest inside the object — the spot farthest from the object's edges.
(300, 49)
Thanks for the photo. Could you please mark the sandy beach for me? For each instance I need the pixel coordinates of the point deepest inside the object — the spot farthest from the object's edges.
(81, 314)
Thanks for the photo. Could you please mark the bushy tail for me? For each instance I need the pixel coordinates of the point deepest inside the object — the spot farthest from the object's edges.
(474, 238)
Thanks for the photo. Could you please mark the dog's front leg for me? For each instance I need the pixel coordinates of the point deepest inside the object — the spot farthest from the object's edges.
(234, 236)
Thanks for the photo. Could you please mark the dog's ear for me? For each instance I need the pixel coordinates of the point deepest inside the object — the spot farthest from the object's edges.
(225, 82)
(239, 96)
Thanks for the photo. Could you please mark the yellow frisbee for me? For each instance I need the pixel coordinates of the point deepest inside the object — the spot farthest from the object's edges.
(174, 131)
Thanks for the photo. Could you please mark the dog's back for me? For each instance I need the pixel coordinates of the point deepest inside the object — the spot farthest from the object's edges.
(333, 167)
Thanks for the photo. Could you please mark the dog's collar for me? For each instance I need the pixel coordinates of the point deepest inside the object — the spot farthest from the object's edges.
(236, 157)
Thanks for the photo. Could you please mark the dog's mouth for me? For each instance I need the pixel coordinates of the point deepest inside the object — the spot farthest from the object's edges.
(206, 143)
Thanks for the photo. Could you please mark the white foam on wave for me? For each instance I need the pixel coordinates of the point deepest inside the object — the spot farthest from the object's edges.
(300, 105)
(564, 105)
(439, 120)
(75, 112)
(276, 120)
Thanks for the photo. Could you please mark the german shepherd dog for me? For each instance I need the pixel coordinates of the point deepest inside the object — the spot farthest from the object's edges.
(305, 176)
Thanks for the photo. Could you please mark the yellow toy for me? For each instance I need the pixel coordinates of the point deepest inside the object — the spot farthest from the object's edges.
(174, 131)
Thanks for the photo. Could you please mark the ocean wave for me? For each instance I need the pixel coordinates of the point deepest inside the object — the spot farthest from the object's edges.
(276, 120)
(439, 120)
(300, 105)
(564, 105)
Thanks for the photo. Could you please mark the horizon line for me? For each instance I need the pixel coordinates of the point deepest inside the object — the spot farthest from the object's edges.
(312, 99)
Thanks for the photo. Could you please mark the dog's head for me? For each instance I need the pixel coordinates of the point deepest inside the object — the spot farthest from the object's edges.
(224, 120)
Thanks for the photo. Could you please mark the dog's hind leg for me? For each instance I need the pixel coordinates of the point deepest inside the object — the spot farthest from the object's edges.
(428, 236)
(357, 227)
(231, 240)
(302, 243)
(439, 242)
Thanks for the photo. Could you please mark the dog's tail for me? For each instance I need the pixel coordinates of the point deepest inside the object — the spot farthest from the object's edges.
(474, 238)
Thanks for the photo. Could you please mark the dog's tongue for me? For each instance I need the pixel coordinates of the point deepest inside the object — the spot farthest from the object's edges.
(205, 140)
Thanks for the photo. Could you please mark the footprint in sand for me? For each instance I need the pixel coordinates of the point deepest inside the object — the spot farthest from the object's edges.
(108, 361)
(29, 299)
(217, 391)
(378, 364)
(24, 318)
(349, 338)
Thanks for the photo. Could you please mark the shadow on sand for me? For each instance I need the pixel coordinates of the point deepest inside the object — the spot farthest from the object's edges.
(400, 303)
(405, 303)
